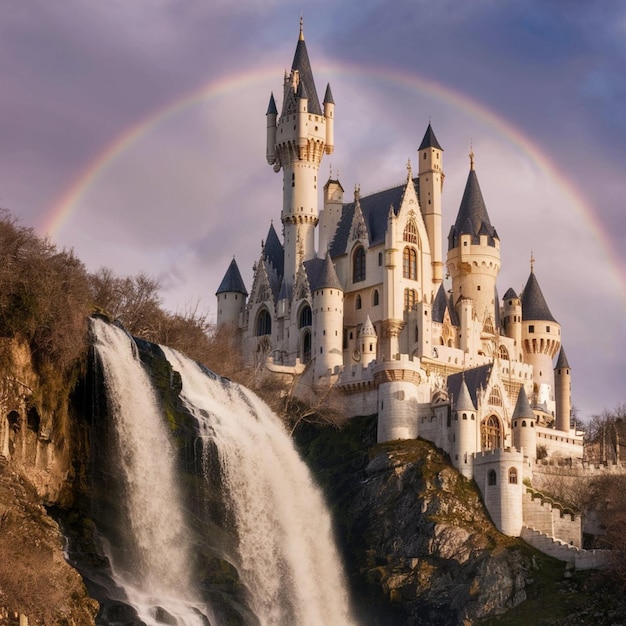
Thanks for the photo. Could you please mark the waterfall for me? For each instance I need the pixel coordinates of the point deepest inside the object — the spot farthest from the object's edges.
(288, 559)
(152, 566)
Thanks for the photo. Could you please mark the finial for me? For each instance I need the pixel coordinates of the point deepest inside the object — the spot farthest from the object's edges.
(330, 173)
(409, 172)
(301, 37)
(471, 155)
(532, 262)
(357, 192)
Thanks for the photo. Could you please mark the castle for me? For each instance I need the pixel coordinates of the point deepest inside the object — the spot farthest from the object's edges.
(371, 311)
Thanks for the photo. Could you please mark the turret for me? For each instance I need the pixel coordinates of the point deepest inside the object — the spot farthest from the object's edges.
(231, 296)
(464, 430)
(563, 392)
(300, 143)
(541, 336)
(523, 424)
(474, 252)
(430, 187)
(368, 342)
(271, 115)
(331, 213)
(329, 115)
(512, 321)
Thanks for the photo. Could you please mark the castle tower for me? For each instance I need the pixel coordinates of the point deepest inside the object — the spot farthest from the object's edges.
(474, 253)
(301, 136)
(231, 296)
(512, 321)
(523, 424)
(541, 337)
(431, 177)
(464, 430)
(327, 320)
(368, 342)
(330, 214)
(563, 392)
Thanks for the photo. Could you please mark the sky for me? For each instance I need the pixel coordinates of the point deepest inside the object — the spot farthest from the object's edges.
(134, 133)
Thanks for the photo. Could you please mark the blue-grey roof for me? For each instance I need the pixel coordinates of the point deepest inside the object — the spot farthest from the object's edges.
(472, 218)
(496, 301)
(232, 281)
(510, 294)
(534, 307)
(522, 406)
(475, 379)
(561, 362)
(443, 301)
(328, 96)
(303, 65)
(321, 274)
(463, 401)
(430, 141)
(274, 252)
(271, 107)
(375, 209)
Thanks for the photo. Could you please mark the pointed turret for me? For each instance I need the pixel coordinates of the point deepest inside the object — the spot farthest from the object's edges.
(474, 254)
(522, 408)
(464, 401)
(271, 115)
(512, 321)
(430, 175)
(329, 115)
(523, 426)
(534, 305)
(464, 429)
(368, 342)
(328, 277)
(231, 296)
(563, 392)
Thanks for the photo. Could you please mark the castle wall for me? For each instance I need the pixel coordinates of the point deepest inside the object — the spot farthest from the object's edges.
(558, 444)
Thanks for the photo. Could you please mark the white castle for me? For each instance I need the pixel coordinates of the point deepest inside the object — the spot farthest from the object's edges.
(368, 311)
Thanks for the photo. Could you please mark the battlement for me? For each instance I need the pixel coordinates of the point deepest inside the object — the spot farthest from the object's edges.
(508, 455)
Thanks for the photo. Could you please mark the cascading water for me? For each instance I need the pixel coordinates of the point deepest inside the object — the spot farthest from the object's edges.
(288, 559)
(152, 566)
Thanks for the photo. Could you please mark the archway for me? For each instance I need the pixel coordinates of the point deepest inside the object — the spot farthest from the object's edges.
(491, 433)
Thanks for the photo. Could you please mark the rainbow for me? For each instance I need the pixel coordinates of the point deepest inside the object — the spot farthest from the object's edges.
(70, 199)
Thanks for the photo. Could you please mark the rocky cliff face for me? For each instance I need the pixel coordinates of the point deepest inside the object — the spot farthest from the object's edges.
(419, 545)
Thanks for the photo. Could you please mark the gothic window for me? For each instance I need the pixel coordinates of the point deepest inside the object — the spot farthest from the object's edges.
(263, 323)
(358, 304)
(409, 263)
(492, 478)
(488, 326)
(513, 476)
(410, 299)
(375, 298)
(358, 265)
(490, 433)
(410, 232)
(306, 318)
(495, 397)
(503, 353)
(305, 347)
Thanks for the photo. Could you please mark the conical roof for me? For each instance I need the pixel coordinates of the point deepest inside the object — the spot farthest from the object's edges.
(302, 64)
(430, 141)
(232, 281)
(271, 107)
(368, 330)
(510, 294)
(534, 306)
(561, 362)
(522, 406)
(472, 218)
(328, 278)
(274, 252)
(464, 400)
(328, 96)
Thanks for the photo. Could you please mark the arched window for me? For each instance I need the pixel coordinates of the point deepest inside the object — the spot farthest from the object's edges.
(495, 397)
(358, 265)
(490, 432)
(263, 323)
(503, 353)
(410, 232)
(306, 318)
(410, 299)
(305, 346)
(513, 476)
(409, 263)
(357, 302)
(492, 478)
(375, 298)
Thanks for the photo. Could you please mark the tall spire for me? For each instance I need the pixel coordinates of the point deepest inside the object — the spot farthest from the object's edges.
(301, 37)
(302, 65)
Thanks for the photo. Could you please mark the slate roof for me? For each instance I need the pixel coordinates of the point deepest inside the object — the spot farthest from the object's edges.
(443, 301)
(561, 362)
(232, 281)
(375, 209)
(472, 218)
(475, 378)
(274, 252)
(464, 400)
(321, 274)
(271, 107)
(303, 65)
(496, 300)
(510, 294)
(328, 96)
(522, 406)
(534, 307)
(430, 141)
